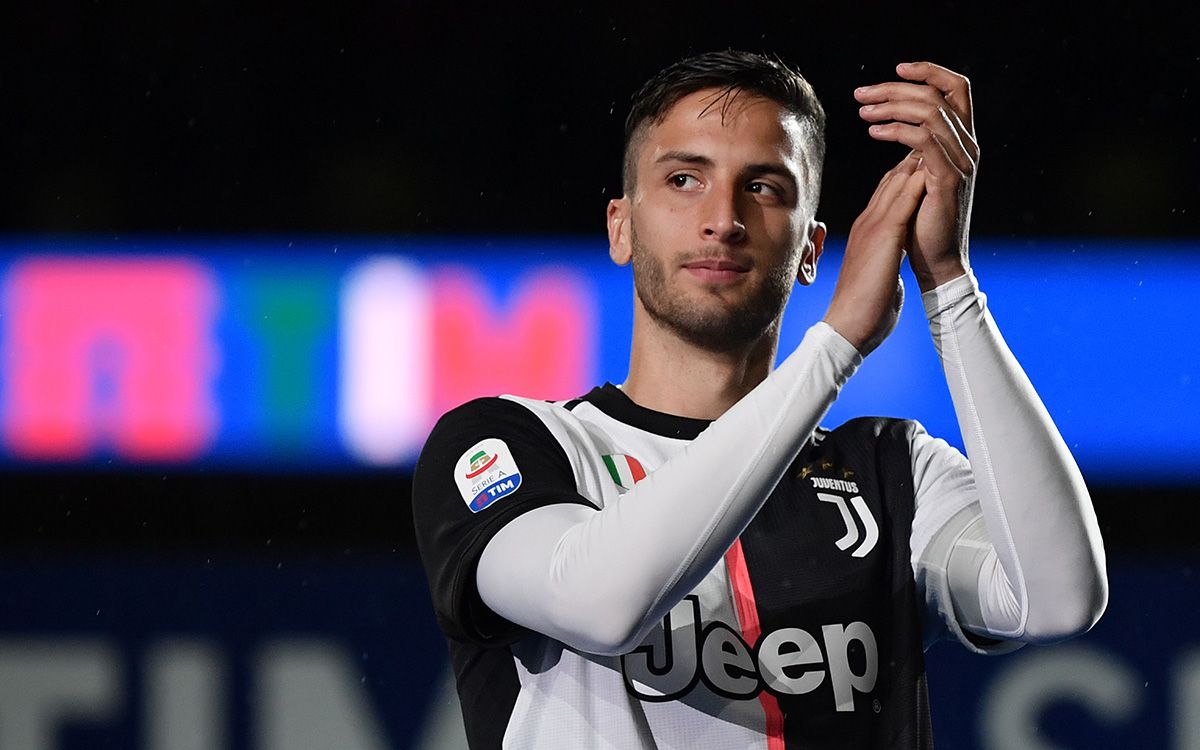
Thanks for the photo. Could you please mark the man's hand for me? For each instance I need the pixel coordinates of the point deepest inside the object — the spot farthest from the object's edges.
(934, 118)
(867, 299)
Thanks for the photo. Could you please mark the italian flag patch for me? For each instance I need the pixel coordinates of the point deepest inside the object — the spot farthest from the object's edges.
(625, 470)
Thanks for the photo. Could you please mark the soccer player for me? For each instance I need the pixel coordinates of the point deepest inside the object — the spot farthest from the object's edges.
(688, 560)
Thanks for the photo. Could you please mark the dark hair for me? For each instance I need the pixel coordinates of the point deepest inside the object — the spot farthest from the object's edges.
(733, 72)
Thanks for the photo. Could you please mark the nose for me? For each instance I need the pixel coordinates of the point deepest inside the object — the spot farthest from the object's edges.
(722, 219)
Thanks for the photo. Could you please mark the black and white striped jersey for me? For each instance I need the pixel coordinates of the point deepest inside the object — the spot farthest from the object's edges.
(808, 633)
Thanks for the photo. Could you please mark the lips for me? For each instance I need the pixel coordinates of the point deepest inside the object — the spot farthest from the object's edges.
(717, 264)
(717, 270)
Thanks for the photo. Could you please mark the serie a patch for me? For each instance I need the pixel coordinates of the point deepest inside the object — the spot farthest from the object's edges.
(486, 473)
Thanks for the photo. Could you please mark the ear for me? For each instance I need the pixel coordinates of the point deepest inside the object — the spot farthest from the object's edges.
(811, 253)
(620, 248)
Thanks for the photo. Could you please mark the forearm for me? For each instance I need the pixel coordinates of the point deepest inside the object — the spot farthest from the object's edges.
(598, 580)
(1045, 579)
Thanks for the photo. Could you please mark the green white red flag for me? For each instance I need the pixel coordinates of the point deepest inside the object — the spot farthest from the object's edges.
(625, 470)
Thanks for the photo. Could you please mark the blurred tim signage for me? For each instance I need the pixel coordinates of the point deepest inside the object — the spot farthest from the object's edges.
(345, 655)
(327, 354)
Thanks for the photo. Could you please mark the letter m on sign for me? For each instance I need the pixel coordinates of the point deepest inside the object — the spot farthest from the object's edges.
(111, 350)
(539, 344)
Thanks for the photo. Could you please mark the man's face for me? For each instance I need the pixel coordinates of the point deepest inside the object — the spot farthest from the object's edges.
(720, 220)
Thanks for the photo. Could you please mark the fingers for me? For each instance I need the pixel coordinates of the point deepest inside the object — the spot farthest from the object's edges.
(937, 86)
(942, 79)
(955, 86)
(897, 196)
(888, 184)
(962, 148)
(866, 300)
(909, 197)
(884, 93)
(936, 157)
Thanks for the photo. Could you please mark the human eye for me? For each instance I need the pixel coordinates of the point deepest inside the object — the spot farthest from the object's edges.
(764, 188)
(683, 180)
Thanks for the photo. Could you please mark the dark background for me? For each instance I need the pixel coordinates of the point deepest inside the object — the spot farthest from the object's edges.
(386, 117)
(400, 117)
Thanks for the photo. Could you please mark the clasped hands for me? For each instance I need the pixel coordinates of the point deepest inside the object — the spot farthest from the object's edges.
(921, 207)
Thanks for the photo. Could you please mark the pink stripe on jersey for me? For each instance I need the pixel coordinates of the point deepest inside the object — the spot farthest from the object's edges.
(747, 611)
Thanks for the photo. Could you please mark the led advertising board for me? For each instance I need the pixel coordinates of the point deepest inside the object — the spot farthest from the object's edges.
(329, 353)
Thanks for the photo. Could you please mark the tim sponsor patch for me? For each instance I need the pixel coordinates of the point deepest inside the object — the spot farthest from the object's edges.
(486, 473)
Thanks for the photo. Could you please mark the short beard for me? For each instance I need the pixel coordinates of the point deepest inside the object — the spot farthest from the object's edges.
(720, 329)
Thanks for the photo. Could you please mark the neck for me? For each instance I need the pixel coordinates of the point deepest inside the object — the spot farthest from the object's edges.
(674, 376)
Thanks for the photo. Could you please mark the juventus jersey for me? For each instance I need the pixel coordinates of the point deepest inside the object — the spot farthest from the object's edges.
(808, 633)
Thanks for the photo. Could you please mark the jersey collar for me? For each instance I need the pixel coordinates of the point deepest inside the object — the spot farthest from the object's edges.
(611, 400)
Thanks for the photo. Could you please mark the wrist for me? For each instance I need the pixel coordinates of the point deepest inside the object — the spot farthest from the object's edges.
(848, 329)
(949, 295)
(931, 278)
(852, 328)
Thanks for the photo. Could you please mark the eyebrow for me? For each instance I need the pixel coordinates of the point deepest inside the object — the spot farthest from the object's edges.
(751, 170)
(685, 156)
(778, 170)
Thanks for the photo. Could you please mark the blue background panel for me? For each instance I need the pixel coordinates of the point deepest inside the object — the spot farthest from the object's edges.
(1103, 329)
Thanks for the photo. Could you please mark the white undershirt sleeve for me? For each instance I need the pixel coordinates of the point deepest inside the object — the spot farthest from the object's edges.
(598, 580)
(1006, 547)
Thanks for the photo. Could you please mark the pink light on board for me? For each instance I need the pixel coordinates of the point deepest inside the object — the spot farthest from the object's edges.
(109, 351)
(541, 346)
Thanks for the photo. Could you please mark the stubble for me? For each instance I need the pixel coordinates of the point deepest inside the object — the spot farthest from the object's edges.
(718, 327)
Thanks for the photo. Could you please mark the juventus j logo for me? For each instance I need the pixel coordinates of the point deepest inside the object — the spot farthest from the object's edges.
(870, 528)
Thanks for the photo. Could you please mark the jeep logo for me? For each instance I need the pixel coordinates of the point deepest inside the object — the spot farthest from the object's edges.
(788, 661)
